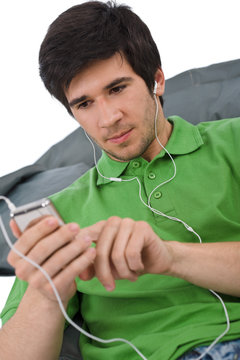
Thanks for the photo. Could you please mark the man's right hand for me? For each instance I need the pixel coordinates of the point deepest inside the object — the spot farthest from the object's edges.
(63, 252)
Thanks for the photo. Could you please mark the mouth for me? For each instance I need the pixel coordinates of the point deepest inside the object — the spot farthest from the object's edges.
(120, 138)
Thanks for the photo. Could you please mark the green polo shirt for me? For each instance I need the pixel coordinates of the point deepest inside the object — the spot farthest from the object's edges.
(163, 316)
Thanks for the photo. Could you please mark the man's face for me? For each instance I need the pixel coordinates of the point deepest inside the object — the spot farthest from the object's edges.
(113, 104)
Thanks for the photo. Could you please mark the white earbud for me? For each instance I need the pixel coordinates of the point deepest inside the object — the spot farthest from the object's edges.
(155, 87)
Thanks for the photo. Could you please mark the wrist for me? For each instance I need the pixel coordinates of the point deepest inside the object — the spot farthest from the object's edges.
(175, 251)
(44, 302)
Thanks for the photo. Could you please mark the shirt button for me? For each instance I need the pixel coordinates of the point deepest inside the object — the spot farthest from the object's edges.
(135, 164)
(157, 195)
(151, 176)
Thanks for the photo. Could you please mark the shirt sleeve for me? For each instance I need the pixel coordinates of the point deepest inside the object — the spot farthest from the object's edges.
(18, 289)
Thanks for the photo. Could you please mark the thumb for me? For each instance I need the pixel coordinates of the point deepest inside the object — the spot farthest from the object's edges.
(15, 230)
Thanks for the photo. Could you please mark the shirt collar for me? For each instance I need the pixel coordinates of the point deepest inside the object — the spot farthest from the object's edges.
(109, 168)
(185, 138)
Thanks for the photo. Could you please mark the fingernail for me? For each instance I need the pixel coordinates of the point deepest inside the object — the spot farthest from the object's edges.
(74, 227)
(87, 239)
(109, 287)
(51, 222)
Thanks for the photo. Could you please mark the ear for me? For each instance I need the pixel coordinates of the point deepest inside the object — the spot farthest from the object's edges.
(160, 79)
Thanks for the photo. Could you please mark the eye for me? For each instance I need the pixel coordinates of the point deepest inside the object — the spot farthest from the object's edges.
(117, 89)
(83, 105)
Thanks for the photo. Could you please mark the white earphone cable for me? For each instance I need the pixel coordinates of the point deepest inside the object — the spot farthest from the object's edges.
(189, 228)
(33, 263)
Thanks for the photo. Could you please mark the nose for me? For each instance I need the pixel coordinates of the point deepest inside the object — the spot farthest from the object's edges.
(108, 113)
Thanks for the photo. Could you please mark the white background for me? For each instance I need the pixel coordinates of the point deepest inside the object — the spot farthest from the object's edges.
(188, 33)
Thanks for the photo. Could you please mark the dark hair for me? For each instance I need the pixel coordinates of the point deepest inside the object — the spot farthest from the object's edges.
(95, 31)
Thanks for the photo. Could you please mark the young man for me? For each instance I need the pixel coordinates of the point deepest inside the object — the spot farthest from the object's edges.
(148, 276)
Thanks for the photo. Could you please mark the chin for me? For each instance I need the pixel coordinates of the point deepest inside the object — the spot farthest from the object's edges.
(124, 156)
(128, 152)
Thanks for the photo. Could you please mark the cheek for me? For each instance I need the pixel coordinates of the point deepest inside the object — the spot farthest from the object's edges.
(88, 125)
(82, 120)
(138, 102)
(133, 108)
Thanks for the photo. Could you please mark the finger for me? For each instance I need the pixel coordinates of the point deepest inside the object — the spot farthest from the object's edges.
(60, 259)
(49, 248)
(87, 274)
(118, 250)
(36, 220)
(135, 247)
(64, 279)
(92, 232)
(31, 236)
(103, 246)
(15, 229)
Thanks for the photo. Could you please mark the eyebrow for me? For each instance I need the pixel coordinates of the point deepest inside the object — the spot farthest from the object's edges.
(107, 87)
(117, 82)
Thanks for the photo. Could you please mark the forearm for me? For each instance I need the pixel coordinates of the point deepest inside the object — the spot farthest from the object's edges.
(213, 266)
(35, 331)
